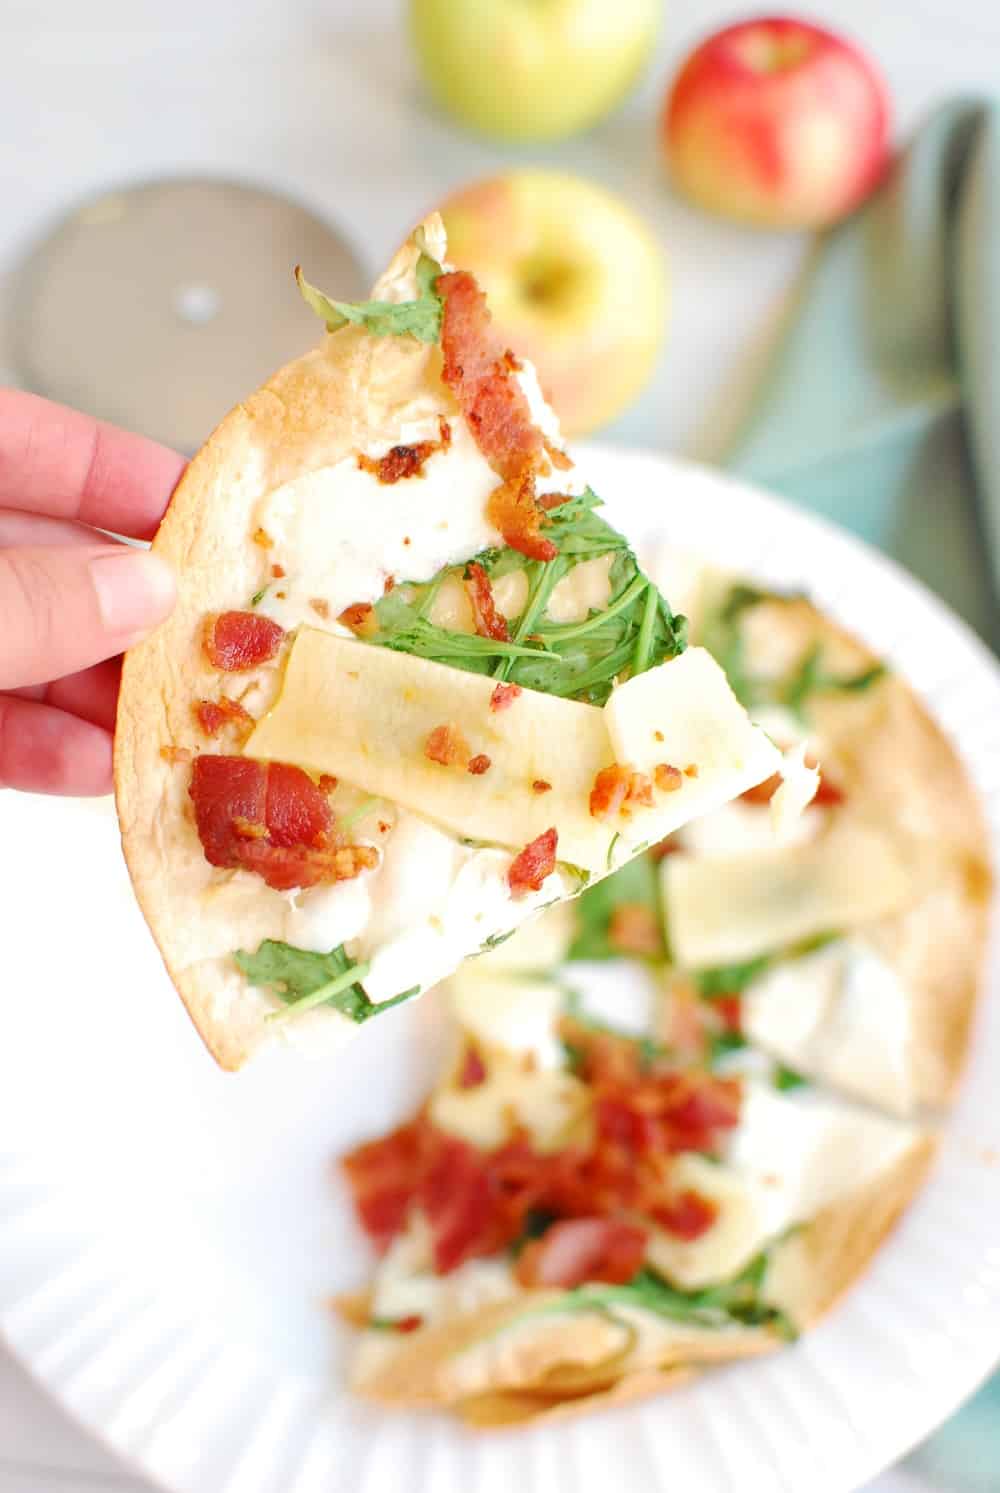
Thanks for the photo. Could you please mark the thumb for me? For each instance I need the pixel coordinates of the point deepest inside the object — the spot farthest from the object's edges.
(65, 608)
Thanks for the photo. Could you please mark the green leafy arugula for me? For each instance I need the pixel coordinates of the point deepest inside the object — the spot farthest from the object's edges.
(736, 1302)
(579, 660)
(420, 318)
(304, 979)
(730, 979)
(724, 640)
(636, 882)
(786, 1079)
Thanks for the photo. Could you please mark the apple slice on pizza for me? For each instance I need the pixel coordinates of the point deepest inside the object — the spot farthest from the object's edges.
(415, 688)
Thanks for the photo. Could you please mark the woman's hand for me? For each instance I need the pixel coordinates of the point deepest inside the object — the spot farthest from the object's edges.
(71, 598)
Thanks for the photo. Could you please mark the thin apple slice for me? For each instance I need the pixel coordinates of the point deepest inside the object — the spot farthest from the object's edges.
(725, 908)
(683, 715)
(364, 714)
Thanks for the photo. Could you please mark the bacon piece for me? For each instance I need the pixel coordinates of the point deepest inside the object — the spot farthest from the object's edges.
(482, 380)
(360, 618)
(213, 715)
(447, 745)
(455, 1194)
(480, 764)
(504, 696)
(270, 818)
(540, 785)
(327, 782)
(490, 623)
(263, 538)
(667, 779)
(580, 1250)
(320, 607)
(691, 771)
(729, 1009)
(278, 572)
(549, 500)
(827, 794)
(634, 929)
(512, 509)
(687, 1215)
(536, 861)
(619, 789)
(236, 641)
(412, 1323)
(404, 462)
(559, 459)
(473, 1070)
(382, 1176)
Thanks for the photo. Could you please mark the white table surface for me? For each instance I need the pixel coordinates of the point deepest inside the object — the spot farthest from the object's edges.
(319, 97)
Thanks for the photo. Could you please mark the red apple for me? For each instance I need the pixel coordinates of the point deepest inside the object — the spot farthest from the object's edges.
(777, 122)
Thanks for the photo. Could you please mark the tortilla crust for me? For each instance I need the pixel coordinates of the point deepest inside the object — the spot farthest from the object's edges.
(571, 1369)
(899, 769)
(347, 395)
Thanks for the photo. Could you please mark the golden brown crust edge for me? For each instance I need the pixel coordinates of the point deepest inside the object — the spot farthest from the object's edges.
(312, 413)
(898, 766)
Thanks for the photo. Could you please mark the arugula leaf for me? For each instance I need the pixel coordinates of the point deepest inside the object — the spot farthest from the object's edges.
(809, 679)
(303, 979)
(579, 660)
(420, 318)
(721, 1044)
(785, 1078)
(734, 1302)
(636, 882)
(729, 979)
(258, 596)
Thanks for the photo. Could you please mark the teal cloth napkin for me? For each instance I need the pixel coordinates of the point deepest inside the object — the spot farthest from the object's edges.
(881, 408)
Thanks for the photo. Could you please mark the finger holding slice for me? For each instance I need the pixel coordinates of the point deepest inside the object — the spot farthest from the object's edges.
(415, 687)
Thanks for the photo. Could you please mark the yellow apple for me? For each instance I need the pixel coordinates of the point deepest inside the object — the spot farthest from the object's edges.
(532, 69)
(575, 282)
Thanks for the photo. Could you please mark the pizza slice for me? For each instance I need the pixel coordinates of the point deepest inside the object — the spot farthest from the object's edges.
(582, 1213)
(415, 688)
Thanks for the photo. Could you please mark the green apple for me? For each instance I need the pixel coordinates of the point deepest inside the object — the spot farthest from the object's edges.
(532, 69)
(575, 283)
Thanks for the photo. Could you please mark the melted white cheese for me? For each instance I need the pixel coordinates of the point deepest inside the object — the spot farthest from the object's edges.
(744, 828)
(511, 1011)
(434, 901)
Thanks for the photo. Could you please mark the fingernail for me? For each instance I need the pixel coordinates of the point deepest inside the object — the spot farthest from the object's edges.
(135, 590)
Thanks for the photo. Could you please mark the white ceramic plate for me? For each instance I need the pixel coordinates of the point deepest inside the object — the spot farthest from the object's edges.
(169, 1235)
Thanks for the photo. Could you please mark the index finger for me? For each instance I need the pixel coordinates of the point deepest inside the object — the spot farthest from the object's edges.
(59, 462)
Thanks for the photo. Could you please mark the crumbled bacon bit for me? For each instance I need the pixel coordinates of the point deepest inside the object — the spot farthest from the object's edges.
(512, 509)
(327, 782)
(634, 929)
(657, 735)
(668, 779)
(473, 1070)
(504, 696)
(541, 786)
(384, 826)
(490, 622)
(619, 789)
(407, 539)
(531, 866)
(512, 361)
(729, 1010)
(447, 745)
(237, 641)
(281, 595)
(320, 607)
(360, 618)
(687, 1215)
(390, 583)
(175, 754)
(404, 462)
(263, 538)
(278, 572)
(480, 764)
(691, 771)
(550, 500)
(412, 1323)
(558, 458)
(213, 715)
